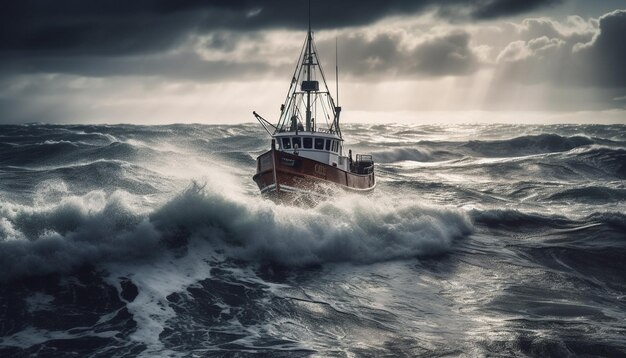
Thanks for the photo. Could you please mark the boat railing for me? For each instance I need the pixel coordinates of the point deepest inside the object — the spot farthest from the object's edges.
(324, 131)
(364, 164)
(364, 158)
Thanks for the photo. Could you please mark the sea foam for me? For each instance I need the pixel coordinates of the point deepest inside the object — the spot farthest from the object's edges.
(99, 227)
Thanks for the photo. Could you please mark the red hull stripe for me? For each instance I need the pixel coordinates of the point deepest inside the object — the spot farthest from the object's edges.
(294, 173)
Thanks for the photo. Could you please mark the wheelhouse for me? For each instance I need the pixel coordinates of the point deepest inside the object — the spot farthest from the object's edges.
(310, 143)
(323, 147)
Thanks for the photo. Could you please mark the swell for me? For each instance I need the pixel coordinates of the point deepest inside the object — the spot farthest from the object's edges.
(590, 194)
(589, 250)
(591, 244)
(38, 153)
(607, 159)
(523, 146)
(420, 154)
(512, 218)
(71, 153)
(528, 145)
(590, 162)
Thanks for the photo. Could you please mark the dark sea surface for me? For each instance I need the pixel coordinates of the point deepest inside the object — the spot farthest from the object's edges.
(479, 240)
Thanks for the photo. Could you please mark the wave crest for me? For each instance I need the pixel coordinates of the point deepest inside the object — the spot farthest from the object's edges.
(351, 229)
(99, 228)
(78, 230)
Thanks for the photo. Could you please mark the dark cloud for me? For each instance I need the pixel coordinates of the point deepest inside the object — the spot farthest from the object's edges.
(449, 54)
(69, 28)
(385, 56)
(488, 9)
(101, 38)
(181, 66)
(571, 59)
(370, 58)
(365, 56)
(608, 50)
(580, 67)
(207, 41)
(77, 27)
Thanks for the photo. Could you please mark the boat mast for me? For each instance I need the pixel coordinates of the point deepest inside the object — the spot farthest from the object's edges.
(308, 75)
(304, 97)
(337, 106)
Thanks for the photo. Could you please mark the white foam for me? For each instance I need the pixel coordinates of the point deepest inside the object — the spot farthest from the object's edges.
(99, 227)
(31, 336)
(354, 228)
(56, 237)
(156, 280)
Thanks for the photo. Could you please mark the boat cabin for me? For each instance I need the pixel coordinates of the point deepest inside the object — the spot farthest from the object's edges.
(322, 147)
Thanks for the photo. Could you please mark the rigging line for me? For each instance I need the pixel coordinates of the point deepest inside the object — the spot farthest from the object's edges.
(308, 72)
(294, 82)
(297, 111)
(320, 67)
(332, 102)
(337, 71)
(314, 105)
(326, 114)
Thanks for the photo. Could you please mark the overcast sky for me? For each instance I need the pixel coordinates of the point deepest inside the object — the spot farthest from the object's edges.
(215, 61)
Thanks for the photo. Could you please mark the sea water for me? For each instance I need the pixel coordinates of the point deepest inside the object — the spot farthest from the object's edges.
(119, 241)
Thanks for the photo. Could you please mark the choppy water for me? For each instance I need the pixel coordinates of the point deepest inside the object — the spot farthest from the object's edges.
(117, 241)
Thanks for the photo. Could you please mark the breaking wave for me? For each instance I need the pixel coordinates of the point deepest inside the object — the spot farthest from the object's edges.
(97, 227)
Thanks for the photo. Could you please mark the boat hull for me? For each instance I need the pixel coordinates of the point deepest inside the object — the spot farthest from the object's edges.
(284, 176)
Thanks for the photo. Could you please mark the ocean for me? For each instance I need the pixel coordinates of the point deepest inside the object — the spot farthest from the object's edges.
(478, 240)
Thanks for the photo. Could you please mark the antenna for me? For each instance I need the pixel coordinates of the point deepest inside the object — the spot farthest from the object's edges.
(337, 71)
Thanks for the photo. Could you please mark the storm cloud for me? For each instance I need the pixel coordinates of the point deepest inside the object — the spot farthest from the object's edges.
(111, 61)
(608, 49)
(492, 8)
(387, 55)
(162, 38)
(580, 58)
(76, 27)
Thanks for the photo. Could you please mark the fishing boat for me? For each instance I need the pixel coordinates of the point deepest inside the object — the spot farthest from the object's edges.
(307, 156)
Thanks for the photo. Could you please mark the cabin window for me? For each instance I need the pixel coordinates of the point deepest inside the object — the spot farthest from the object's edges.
(319, 143)
(308, 142)
(296, 142)
(334, 146)
(328, 144)
(286, 143)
